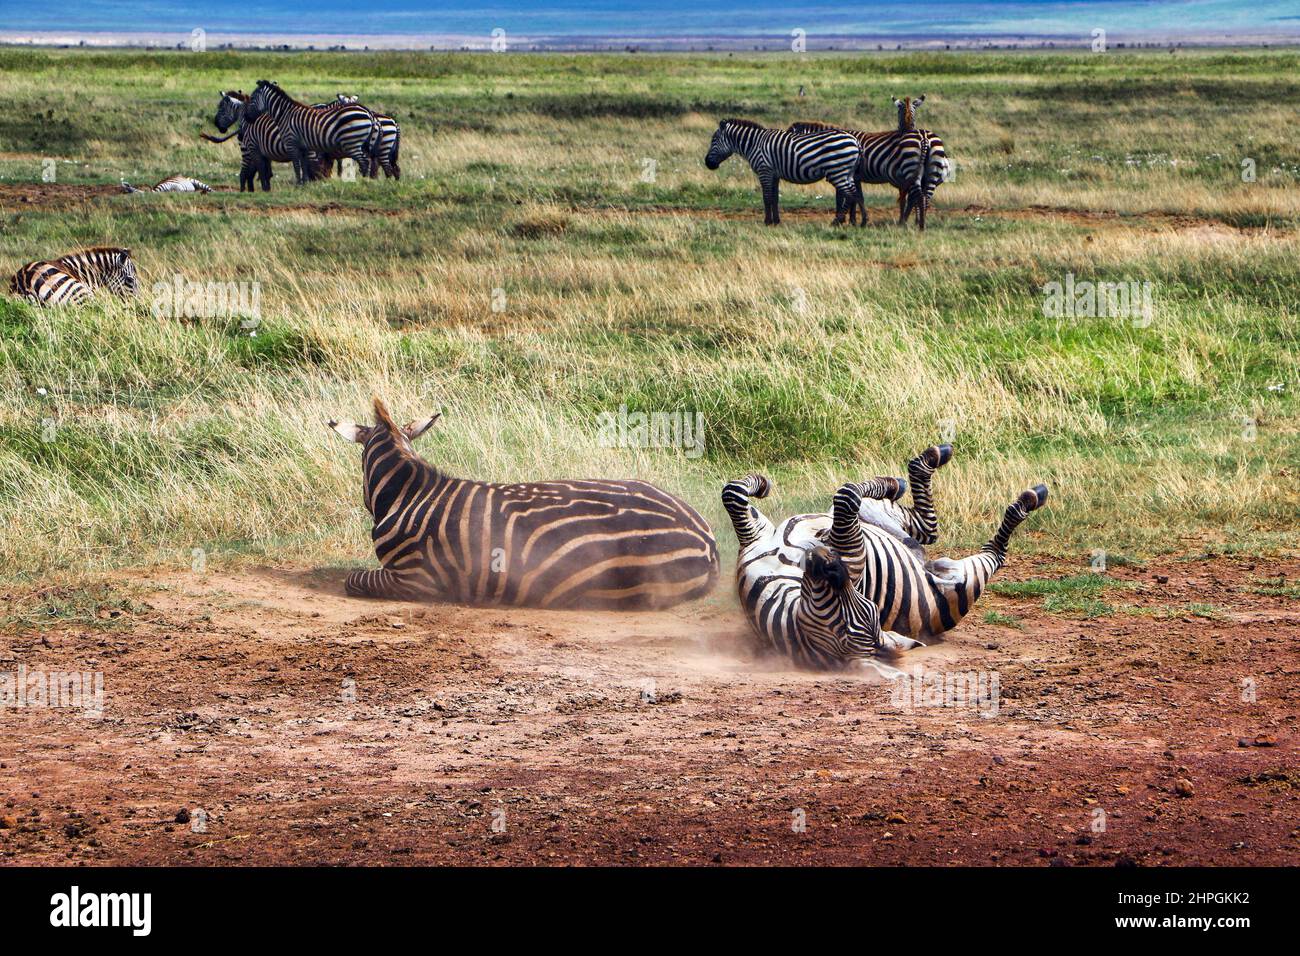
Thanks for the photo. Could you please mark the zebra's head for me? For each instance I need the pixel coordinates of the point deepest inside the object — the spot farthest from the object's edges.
(231, 109)
(833, 613)
(385, 427)
(118, 268)
(907, 111)
(260, 101)
(721, 147)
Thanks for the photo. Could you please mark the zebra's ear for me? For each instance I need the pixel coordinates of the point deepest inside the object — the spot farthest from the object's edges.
(414, 430)
(350, 430)
(918, 101)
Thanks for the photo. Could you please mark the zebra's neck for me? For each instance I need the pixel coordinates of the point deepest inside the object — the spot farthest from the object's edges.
(391, 470)
(750, 140)
(278, 102)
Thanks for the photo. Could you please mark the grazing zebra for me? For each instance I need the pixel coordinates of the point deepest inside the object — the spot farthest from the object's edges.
(776, 154)
(791, 577)
(172, 184)
(72, 279)
(555, 544)
(342, 130)
(260, 142)
(911, 160)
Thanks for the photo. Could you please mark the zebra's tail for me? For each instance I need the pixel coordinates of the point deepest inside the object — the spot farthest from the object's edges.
(916, 191)
(392, 158)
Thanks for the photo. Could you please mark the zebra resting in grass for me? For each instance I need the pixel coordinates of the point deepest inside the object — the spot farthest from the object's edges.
(554, 544)
(343, 130)
(172, 184)
(72, 279)
(912, 160)
(260, 142)
(776, 154)
(844, 588)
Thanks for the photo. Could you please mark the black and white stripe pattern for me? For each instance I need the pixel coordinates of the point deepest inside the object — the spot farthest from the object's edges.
(384, 147)
(899, 597)
(911, 160)
(260, 142)
(172, 184)
(72, 279)
(776, 154)
(349, 130)
(555, 544)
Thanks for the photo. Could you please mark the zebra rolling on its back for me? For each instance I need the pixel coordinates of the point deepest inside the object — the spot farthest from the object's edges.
(898, 596)
(172, 184)
(72, 279)
(554, 544)
(776, 154)
(343, 130)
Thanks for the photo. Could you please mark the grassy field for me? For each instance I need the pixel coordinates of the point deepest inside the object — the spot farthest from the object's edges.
(524, 277)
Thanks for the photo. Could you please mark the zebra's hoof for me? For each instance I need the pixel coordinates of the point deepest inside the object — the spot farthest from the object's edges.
(1034, 498)
(899, 490)
(936, 456)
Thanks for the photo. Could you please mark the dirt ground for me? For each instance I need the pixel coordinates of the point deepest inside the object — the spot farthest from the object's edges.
(308, 727)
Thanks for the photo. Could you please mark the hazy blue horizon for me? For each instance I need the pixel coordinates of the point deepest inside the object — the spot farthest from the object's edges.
(632, 18)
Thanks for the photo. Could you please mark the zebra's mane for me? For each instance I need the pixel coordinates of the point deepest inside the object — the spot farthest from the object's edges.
(110, 250)
(276, 88)
(743, 123)
(237, 95)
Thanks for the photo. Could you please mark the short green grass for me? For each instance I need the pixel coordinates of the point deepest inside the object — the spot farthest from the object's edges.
(556, 249)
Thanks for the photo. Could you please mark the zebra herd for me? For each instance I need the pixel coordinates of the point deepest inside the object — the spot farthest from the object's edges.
(842, 589)
(845, 588)
(273, 127)
(911, 160)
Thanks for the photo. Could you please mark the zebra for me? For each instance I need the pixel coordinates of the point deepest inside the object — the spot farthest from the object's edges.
(71, 279)
(791, 577)
(615, 545)
(172, 184)
(260, 142)
(385, 149)
(345, 129)
(912, 160)
(776, 154)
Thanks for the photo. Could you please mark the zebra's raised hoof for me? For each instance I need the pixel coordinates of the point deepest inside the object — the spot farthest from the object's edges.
(936, 456)
(900, 488)
(1034, 498)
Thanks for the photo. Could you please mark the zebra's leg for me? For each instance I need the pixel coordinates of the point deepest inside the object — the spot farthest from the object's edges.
(902, 207)
(861, 203)
(845, 533)
(379, 583)
(920, 520)
(960, 583)
(750, 523)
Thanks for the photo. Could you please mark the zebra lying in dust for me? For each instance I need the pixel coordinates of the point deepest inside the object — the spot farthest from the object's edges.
(553, 544)
(172, 184)
(72, 279)
(846, 587)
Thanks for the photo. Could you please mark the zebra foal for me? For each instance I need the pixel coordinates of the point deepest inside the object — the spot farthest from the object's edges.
(777, 154)
(616, 545)
(73, 279)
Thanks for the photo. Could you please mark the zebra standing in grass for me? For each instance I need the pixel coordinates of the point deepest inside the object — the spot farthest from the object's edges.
(172, 184)
(260, 142)
(792, 577)
(384, 148)
(556, 544)
(343, 130)
(909, 159)
(776, 154)
(72, 279)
